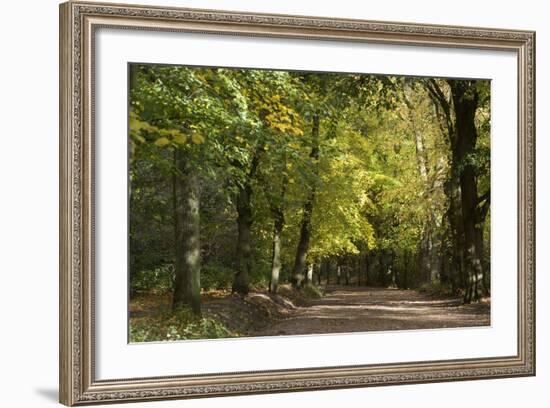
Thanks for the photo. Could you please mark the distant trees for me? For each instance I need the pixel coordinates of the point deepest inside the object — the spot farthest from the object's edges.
(243, 178)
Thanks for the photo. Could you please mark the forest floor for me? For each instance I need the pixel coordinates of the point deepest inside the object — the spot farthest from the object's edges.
(358, 309)
(342, 309)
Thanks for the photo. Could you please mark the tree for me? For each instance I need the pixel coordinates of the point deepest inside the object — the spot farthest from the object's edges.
(467, 209)
(173, 107)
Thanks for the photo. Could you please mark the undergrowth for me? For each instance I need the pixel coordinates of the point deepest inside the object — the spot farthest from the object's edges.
(436, 289)
(182, 324)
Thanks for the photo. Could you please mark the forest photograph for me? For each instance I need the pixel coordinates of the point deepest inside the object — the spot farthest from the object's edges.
(274, 202)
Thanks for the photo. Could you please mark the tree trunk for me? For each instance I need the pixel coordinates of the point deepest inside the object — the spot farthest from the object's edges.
(382, 269)
(425, 254)
(480, 249)
(347, 275)
(277, 211)
(303, 243)
(457, 229)
(244, 225)
(473, 268)
(358, 262)
(309, 275)
(367, 270)
(305, 230)
(452, 188)
(465, 100)
(276, 259)
(435, 262)
(484, 203)
(406, 265)
(187, 265)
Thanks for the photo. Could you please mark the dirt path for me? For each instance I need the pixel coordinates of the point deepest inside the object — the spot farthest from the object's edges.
(353, 309)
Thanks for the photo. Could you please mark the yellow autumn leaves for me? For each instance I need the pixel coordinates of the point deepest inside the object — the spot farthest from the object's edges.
(174, 136)
(281, 117)
(165, 137)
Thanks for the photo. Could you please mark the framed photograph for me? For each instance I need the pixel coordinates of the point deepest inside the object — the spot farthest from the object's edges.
(255, 203)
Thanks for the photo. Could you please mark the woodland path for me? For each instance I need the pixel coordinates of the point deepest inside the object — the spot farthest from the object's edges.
(352, 309)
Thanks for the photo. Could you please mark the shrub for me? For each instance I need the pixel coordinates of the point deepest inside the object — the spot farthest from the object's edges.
(158, 279)
(178, 325)
(436, 289)
(313, 292)
(216, 276)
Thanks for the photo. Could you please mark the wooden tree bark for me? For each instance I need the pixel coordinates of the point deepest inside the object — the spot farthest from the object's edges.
(187, 235)
(305, 229)
(465, 101)
(277, 211)
(276, 257)
(484, 203)
(244, 225)
(455, 222)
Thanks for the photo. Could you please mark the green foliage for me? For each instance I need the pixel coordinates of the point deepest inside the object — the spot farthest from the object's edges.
(313, 292)
(157, 279)
(216, 276)
(181, 324)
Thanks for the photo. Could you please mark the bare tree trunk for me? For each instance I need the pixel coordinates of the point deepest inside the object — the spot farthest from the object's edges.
(188, 263)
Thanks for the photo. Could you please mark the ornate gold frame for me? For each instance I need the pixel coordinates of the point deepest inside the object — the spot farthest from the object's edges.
(78, 21)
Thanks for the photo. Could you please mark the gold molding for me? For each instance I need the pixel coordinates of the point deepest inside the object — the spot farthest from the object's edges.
(77, 23)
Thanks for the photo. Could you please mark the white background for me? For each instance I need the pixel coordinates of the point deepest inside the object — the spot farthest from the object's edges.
(28, 203)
